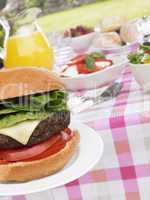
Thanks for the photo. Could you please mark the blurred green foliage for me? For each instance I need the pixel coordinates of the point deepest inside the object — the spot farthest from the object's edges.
(2, 34)
(34, 3)
(91, 14)
(2, 4)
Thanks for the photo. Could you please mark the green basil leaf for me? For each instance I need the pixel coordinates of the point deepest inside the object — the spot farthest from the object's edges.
(90, 62)
(96, 55)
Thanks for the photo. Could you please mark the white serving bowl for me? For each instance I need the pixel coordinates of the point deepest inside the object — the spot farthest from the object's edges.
(141, 73)
(126, 49)
(82, 43)
(94, 80)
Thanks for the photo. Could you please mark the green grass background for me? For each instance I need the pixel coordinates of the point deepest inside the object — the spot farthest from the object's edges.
(91, 14)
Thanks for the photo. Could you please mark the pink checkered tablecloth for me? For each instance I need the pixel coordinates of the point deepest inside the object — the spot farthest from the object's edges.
(123, 173)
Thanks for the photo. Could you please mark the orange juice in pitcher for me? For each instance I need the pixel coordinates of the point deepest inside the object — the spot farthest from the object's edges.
(28, 48)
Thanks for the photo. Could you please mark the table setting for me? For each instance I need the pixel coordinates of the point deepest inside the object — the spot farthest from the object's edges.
(97, 84)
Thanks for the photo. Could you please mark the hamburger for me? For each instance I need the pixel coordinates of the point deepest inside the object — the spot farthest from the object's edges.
(35, 140)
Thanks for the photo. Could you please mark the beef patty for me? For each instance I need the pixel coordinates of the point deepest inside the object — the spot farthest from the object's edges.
(45, 129)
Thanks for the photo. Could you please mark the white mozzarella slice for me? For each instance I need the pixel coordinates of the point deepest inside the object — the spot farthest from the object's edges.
(102, 64)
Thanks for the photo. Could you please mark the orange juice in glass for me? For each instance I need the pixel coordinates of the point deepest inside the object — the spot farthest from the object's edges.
(28, 48)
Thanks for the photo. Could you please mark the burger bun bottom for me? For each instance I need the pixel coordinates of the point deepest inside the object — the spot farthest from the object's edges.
(27, 171)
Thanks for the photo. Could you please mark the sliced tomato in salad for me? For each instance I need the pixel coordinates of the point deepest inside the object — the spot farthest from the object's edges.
(77, 60)
(83, 69)
(48, 147)
(85, 64)
(99, 65)
(148, 51)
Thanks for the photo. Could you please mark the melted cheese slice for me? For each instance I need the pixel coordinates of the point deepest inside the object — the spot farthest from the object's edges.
(21, 132)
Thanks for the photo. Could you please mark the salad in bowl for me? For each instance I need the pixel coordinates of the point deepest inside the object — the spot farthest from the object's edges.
(140, 66)
(86, 64)
(91, 70)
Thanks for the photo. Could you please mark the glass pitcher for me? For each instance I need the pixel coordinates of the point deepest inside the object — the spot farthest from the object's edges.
(28, 47)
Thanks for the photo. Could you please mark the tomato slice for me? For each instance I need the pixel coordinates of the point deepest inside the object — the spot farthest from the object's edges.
(37, 151)
(25, 153)
(77, 60)
(82, 69)
(68, 131)
(148, 51)
(52, 150)
(3, 162)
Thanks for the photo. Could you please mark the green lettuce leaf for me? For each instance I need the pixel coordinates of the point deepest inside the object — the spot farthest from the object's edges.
(7, 111)
(34, 107)
(34, 103)
(12, 119)
(136, 58)
(145, 47)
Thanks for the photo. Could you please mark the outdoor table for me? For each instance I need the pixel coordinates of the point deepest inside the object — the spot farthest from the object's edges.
(123, 173)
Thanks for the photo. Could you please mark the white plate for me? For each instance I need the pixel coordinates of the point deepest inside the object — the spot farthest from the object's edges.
(88, 154)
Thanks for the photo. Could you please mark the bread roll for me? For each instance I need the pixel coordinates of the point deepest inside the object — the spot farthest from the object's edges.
(129, 32)
(107, 40)
(26, 171)
(109, 24)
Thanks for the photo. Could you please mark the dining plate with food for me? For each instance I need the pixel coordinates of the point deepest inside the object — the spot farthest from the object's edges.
(91, 70)
(40, 147)
(117, 35)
